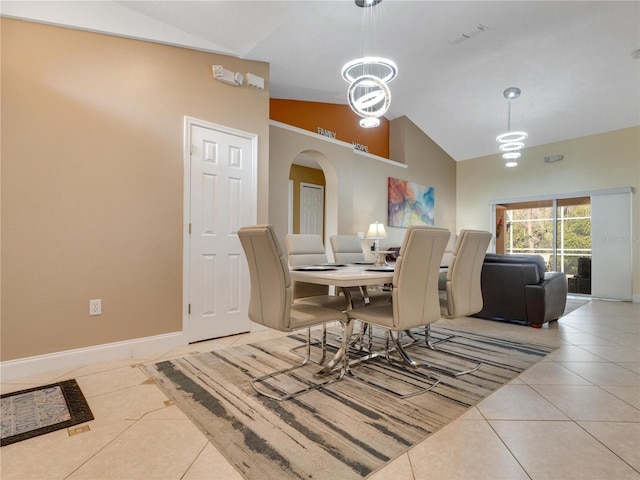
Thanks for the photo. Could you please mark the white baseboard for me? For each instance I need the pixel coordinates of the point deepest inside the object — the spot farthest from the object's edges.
(636, 299)
(70, 359)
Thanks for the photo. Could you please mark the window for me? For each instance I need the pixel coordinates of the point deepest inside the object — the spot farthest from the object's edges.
(558, 230)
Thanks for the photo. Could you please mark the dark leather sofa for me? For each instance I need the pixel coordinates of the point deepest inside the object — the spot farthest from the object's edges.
(517, 288)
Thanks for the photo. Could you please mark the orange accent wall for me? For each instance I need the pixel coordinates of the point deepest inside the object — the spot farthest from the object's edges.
(331, 117)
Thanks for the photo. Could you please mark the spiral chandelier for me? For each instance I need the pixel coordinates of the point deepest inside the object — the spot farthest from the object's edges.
(368, 93)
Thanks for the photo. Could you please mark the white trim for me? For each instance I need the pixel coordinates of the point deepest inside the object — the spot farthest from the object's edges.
(317, 136)
(11, 370)
(186, 253)
(290, 209)
(559, 196)
(186, 222)
(492, 230)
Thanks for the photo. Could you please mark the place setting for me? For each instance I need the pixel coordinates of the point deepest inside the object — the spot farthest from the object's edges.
(383, 268)
(315, 268)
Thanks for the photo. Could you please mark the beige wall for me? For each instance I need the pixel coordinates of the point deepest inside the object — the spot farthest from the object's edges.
(608, 160)
(429, 165)
(356, 185)
(92, 181)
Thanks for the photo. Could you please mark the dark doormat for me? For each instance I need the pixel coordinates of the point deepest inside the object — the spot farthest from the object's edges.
(36, 411)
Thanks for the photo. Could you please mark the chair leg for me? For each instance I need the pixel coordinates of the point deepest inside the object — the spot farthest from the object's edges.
(307, 346)
(323, 343)
(342, 353)
(344, 363)
(399, 348)
(363, 341)
(431, 343)
(405, 360)
(454, 373)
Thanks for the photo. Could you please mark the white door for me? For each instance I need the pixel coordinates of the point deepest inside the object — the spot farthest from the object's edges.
(222, 199)
(311, 208)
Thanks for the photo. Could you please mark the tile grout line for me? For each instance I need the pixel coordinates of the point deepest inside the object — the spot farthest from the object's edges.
(513, 455)
(194, 460)
(91, 457)
(614, 453)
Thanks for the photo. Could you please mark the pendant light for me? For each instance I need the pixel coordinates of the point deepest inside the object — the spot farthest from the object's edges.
(511, 142)
(368, 93)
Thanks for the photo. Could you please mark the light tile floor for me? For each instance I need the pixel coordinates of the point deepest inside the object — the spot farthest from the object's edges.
(575, 415)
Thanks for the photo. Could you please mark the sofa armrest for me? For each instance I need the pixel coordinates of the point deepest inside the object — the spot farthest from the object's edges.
(546, 301)
(503, 290)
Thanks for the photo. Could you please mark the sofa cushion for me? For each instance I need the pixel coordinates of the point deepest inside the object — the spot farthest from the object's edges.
(537, 260)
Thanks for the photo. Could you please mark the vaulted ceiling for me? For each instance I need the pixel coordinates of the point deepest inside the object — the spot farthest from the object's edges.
(573, 60)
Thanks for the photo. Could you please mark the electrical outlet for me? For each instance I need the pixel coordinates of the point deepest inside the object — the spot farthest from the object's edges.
(95, 307)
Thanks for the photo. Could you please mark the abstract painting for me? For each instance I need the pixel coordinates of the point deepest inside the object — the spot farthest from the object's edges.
(410, 204)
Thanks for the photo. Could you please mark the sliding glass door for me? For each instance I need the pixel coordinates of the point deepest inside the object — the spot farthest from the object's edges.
(586, 235)
(573, 242)
(558, 230)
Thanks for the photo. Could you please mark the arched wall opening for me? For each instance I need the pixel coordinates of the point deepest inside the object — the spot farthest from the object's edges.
(316, 159)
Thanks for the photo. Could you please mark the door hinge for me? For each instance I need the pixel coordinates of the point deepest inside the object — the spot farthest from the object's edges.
(191, 148)
(189, 308)
(189, 229)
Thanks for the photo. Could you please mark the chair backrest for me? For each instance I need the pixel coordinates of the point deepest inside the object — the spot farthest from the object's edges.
(464, 293)
(448, 250)
(271, 292)
(306, 249)
(415, 280)
(346, 249)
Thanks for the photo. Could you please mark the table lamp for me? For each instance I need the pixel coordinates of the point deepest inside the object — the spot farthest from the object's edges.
(376, 232)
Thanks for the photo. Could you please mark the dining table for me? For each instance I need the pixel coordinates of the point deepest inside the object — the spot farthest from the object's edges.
(344, 276)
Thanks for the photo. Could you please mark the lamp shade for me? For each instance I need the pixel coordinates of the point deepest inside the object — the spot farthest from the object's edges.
(376, 231)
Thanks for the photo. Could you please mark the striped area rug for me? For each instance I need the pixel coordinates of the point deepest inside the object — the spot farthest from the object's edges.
(343, 431)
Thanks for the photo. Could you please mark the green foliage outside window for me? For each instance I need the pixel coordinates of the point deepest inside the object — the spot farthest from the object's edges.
(531, 231)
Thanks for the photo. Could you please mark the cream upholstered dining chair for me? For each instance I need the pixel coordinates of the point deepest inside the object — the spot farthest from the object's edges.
(460, 293)
(303, 250)
(448, 251)
(415, 290)
(347, 249)
(308, 249)
(271, 305)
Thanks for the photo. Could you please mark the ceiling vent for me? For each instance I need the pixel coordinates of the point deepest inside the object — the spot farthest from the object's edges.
(469, 34)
